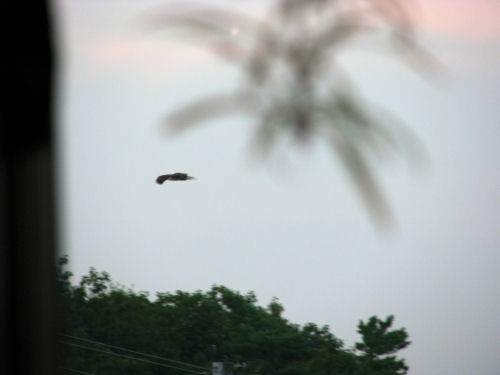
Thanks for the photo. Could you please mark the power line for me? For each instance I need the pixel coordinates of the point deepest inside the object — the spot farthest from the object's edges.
(77, 371)
(136, 352)
(133, 358)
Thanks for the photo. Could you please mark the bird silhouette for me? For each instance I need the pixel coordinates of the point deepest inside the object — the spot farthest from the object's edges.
(173, 177)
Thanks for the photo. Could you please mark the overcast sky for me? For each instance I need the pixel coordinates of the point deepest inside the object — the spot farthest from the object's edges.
(296, 231)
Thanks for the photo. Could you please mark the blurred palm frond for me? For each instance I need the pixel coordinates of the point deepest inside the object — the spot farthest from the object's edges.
(292, 83)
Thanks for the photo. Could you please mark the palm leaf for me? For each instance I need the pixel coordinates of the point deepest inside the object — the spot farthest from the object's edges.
(209, 108)
(364, 181)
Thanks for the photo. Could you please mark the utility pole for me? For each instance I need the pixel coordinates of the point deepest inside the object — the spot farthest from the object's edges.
(217, 368)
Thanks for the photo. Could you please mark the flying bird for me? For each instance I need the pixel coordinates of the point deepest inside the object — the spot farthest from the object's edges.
(173, 177)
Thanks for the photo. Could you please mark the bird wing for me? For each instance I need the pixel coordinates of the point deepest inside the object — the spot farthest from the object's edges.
(173, 177)
(178, 176)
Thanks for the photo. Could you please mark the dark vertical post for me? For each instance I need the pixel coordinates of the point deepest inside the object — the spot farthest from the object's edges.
(27, 222)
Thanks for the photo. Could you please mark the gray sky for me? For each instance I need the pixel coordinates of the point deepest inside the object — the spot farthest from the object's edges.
(297, 232)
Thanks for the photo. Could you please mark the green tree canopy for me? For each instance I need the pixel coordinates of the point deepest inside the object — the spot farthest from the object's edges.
(203, 327)
(378, 342)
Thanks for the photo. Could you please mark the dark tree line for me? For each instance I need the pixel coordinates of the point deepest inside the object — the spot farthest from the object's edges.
(204, 327)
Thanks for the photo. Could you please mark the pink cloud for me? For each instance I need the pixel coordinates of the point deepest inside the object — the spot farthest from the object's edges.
(143, 52)
(470, 19)
(473, 19)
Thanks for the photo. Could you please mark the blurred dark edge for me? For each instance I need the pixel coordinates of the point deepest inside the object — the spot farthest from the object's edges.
(27, 194)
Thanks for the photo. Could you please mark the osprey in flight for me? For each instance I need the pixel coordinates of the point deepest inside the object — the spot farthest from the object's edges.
(173, 177)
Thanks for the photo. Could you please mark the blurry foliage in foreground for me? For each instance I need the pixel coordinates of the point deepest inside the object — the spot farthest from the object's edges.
(293, 84)
(202, 327)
